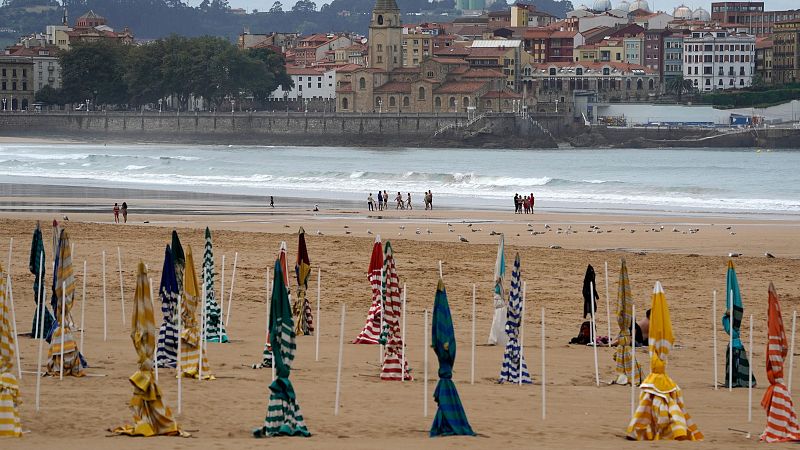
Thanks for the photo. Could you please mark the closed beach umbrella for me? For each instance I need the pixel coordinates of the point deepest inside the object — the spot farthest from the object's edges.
(62, 333)
(496, 334)
(777, 402)
(589, 292)
(625, 342)
(151, 417)
(661, 414)
(215, 329)
(284, 417)
(371, 332)
(179, 259)
(190, 332)
(514, 364)
(304, 321)
(168, 333)
(10, 425)
(36, 262)
(450, 419)
(266, 359)
(392, 368)
(741, 366)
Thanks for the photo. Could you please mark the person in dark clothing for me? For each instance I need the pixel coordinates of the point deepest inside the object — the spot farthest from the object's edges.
(380, 201)
(271, 202)
(125, 212)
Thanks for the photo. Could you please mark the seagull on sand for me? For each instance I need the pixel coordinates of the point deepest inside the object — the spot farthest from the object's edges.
(428, 230)
(417, 232)
(462, 238)
(769, 255)
(319, 233)
(369, 231)
(402, 227)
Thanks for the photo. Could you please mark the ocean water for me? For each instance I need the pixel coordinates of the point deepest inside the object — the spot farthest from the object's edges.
(738, 181)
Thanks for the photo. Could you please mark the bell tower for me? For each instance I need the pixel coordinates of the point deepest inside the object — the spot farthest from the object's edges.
(385, 35)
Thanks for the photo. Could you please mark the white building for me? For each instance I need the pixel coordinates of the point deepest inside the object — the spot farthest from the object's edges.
(716, 59)
(309, 83)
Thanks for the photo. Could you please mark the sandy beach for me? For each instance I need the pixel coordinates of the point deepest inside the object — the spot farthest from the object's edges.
(221, 413)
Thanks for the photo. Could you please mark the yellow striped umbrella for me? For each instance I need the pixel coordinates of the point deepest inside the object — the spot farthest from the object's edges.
(10, 424)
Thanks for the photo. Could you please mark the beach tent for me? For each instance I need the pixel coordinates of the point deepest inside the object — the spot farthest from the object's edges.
(284, 417)
(304, 321)
(450, 419)
(590, 296)
(190, 331)
(624, 353)
(61, 336)
(496, 334)
(514, 364)
(777, 402)
(741, 366)
(10, 425)
(266, 359)
(215, 328)
(371, 332)
(393, 367)
(151, 417)
(167, 354)
(37, 262)
(661, 414)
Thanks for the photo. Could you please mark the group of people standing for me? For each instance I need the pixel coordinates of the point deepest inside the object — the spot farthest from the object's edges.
(124, 210)
(382, 203)
(523, 204)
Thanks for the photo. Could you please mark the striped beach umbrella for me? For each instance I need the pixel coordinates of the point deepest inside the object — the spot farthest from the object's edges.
(514, 364)
(371, 332)
(284, 417)
(741, 366)
(179, 259)
(496, 334)
(392, 368)
(190, 332)
(624, 353)
(450, 419)
(661, 414)
(167, 353)
(304, 321)
(36, 262)
(151, 417)
(10, 424)
(64, 293)
(266, 359)
(215, 328)
(777, 401)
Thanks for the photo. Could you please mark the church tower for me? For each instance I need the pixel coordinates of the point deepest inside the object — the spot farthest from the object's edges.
(385, 35)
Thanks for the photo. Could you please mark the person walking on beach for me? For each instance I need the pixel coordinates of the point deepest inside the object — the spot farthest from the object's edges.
(430, 199)
(380, 200)
(116, 213)
(399, 200)
(385, 200)
(125, 212)
(370, 202)
(408, 202)
(533, 202)
(271, 202)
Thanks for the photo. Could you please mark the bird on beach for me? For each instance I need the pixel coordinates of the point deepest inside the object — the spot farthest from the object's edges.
(529, 225)
(319, 233)
(462, 238)
(769, 255)
(346, 226)
(369, 231)
(346, 232)
(417, 232)
(469, 225)
(546, 226)
(402, 227)
(428, 230)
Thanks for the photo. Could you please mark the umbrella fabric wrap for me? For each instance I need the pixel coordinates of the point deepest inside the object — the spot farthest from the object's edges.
(190, 334)
(151, 417)
(179, 259)
(167, 353)
(215, 329)
(284, 417)
(624, 353)
(590, 295)
(63, 325)
(301, 309)
(36, 257)
(450, 419)
(497, 335)
(371, 332)
(777, 402)
(10, 425)
(741, 366)
(661, 413)
(266, 359)
(393, 367)
(513, 360)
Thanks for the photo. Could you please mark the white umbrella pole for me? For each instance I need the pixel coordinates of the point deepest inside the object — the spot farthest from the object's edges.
(750, 377)
(222, 293)
(544, 378)
(608, 307)
(339, 365)
(714, 333)
(316, 332)
(121, 288)
(62, 324)
(472, 361)
(155, 347)
(522, 331)
(180, 353)
(269, 301)
(83, 304)
(633, 360)
(230, 296)
(202, 328)
(41, 331)
(105, 320)
(791, 352)
(38, 332)
(425, 378)
(730, 343)
(594, 334)
(403, 335)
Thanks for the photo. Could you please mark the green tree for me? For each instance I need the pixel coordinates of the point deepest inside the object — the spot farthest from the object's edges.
(678, 85)
(304, 6)
(275, 72)
(144, 73)
(277, 8)
(48, 95)
(95, 71)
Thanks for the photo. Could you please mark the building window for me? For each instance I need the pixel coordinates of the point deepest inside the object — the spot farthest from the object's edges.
(406, 101)
(344, 103)
(638, 85)
(606, 71)
(552, 71)
(380, 59)
(24, 85)
(465, 102)
(392, 101)
(362, 83)
(421, 93)
(4, 72)
(430, 74)
(438, 103)
(319, 85)
(651, 84)
(380, 47)
(453, 103)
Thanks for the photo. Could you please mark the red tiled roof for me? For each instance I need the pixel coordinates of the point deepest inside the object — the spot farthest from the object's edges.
(448, 61)
(294, 70)
(482, 52)
(482, 73)
(564, 34)
(459, 87)
(394, 87)
(505, 93)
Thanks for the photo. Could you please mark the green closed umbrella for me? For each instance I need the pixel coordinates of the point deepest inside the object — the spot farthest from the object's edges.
(37, 256)
(741, 366)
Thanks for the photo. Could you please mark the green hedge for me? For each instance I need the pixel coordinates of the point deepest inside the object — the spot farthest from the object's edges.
(744, 99)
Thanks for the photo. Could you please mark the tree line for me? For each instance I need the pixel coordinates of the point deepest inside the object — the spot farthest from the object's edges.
(211, 68)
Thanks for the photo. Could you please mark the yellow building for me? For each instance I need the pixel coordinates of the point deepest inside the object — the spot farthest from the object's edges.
(416, 47)
(786, 52)
(608, 50)
(519, 15)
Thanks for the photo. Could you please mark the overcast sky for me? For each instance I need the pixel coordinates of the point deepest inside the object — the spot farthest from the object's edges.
(663, 5)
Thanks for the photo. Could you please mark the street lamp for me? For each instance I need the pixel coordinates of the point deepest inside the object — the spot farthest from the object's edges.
(306, 104)
(233, 102)
(380, 104)
(87, 106)
(4, 103)
(286, 101)
(556, 105)
(455, 105)
(160, 102)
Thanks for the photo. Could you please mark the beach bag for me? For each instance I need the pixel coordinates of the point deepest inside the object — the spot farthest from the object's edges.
(584, 335)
